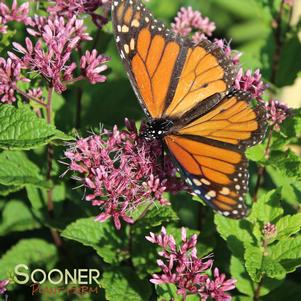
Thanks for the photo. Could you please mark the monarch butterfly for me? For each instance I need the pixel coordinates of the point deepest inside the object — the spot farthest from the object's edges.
(185, 92)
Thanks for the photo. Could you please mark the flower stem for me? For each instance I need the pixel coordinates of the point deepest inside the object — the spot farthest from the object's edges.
(49, 105)
(259, 286)
(29, 97)
(144, 212)
(257, 291)
(54, 233)
(261, 168)
(74, 80)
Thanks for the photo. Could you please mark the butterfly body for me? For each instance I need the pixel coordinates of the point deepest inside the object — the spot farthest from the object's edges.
(185, 92)
(157, 129)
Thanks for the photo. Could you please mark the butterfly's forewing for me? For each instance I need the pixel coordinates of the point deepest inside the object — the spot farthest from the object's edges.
(169, 74)
(210, 152)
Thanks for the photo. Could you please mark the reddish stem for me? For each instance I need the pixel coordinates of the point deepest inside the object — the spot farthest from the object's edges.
(29, 97)
(50, 207)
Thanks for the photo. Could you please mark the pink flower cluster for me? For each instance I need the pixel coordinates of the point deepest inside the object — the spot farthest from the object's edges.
(75, 7)
(188, 20)
(121, 171)
(225, 46)
(251, 83)
(92, 64)
(269, 231)
(3, 284)
(51, 57)
(277, 112)
(10, 73)
(181, 266)
(15, 13)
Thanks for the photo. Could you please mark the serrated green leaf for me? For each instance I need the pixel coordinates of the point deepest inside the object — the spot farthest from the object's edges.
(288, 163)
(289, 248)
(157, 216)
(238, 271)
(6, 190)
(122, 284)
(235, 232)
(102, 237)
(16, 217)
(291, 127)
(17, 170)
(32, 252)
(273, 268)
(288, 225)
(256, 153)
(267, 208)
(253, 262)
(21, 128)
(167, 292)
(227, 227)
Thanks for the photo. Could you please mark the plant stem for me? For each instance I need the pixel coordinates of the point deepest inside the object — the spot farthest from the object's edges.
(257, 291)
(275, 64)
(144, 212)
(261, 168)
(49, 105)
(74, 80)
(40, 102)
(54, 233)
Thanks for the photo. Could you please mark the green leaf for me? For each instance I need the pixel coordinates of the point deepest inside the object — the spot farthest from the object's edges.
(102, 237)
(32, 252)
(238, 271)
(17, 170)
(273, 268)
(227, 227)
(267, 208)
(288, 163)
(17, 217)
(289, 248)
(6, 190)
(253, 262)
(291, 127)
(167, 292)
(256, 153)
(157, 216)
(288, 225)
(21, 128)
(121, 283)
(235, 232)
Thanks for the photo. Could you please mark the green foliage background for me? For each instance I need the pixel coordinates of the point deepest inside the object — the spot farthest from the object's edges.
(126, 260)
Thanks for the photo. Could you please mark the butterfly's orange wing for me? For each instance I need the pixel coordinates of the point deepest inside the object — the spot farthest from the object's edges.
(189, 84)
(169, 74)
(210, 151)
